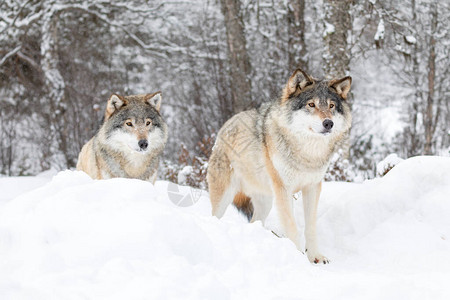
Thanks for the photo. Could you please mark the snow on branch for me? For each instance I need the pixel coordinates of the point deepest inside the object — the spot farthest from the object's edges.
(9, 54)
(379, 35)
(16, 23)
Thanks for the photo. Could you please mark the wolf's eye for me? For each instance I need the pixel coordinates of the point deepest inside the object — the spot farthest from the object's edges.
(148, 123)
(129, 124)
(311, 104)
(331, 105)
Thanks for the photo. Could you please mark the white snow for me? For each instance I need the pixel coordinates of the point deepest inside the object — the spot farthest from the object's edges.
(78, 238)
(411, 39)
(184, 173)
(388, 163)
(11, 187)
(329, 29)
(379, 35)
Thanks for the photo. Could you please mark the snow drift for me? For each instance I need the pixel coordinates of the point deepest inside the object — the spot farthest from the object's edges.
(78, 238)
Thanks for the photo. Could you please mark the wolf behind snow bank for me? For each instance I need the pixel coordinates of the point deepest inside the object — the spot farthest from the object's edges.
(130, 141)
(278, 150)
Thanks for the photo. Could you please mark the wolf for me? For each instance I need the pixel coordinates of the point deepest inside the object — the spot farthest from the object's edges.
(266, 155)
(130, 140)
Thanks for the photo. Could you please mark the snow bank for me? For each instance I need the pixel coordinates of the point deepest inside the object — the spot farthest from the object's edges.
(78, 238)
(11, 187)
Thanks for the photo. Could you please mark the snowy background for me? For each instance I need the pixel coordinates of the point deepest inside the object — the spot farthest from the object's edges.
(71, 237)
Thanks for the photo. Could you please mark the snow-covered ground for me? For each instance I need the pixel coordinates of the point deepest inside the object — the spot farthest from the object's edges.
(78, 238)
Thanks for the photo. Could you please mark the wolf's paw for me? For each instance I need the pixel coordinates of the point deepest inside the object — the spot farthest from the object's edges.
(317, 258)
(320, 259)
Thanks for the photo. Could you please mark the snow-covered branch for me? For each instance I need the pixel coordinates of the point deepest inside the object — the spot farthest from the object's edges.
(9, 54)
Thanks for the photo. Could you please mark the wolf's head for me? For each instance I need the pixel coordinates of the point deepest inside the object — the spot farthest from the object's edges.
(133, 123)
(317, 107)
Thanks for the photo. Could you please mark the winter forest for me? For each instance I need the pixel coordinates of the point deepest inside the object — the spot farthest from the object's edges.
(61, 60)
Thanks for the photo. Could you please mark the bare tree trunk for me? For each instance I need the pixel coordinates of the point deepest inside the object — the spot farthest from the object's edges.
(296, 44)
(54, 81)
(337, 27)
(8, 134)
(240, 67)
(336, 58)
(430, 126)
(413, 133)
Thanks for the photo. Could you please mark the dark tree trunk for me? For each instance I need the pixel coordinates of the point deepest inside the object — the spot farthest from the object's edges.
(336, 57)
(240, 67)
(337, 27)
(428, 121)
(296, 43)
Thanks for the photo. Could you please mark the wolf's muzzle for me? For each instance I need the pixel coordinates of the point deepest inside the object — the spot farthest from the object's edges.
(328, 124)
(143, 144)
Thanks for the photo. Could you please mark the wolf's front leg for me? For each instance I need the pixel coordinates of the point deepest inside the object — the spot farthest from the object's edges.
(286, 215)
(310, 197)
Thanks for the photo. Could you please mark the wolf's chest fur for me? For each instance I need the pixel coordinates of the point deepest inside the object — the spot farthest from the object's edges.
(305, 163)
(127, 164)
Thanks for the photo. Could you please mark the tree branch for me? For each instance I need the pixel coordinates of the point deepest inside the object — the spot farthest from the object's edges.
(9, 54)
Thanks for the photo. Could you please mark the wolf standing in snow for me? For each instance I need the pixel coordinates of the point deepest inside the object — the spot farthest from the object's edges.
(129, 142)
(278, 150)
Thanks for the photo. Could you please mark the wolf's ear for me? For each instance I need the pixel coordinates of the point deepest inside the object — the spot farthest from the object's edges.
(115, 102)
(299, 80)
(342, 86)
(154, 100)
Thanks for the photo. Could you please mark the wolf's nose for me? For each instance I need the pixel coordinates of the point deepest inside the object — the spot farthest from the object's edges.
(328, 124)
(143, 144)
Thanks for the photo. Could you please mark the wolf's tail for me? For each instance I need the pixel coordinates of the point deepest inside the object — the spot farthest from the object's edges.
(244, 204)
